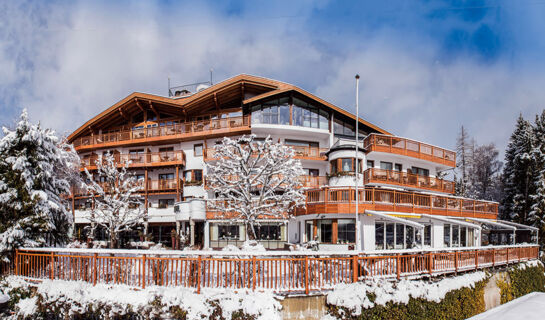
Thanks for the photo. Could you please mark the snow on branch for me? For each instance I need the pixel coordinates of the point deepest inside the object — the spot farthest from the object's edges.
(254, 179)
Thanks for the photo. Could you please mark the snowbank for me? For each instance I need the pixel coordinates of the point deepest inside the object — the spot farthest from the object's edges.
(356, 296)
(76, 297)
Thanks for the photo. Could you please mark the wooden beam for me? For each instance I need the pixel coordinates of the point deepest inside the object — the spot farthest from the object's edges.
(153, 108)
(123, 114)
(216, 102)
(138, 104)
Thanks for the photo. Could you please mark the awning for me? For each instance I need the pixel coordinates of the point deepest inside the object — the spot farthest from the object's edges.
(462, 223)
(519, 226)
(491, 222)
(386, 216)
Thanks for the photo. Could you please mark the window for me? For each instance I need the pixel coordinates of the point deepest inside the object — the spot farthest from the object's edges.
(370, 164)
(309, 230)
(228, 232)
(197, 149)
(409, 237)
(166, 176)
(345, 165)
(165, 203)
(379, 236)
(346, 231)
(312, 172)
(455, 235)
(325, 229)
(166, 149)
(386, 165)
(390, 236)
(446, 235)
(400, 229)
(420, 171)
(193, 177)
(427, 235)
(310, 144)
(343, 128)
(398, 167)
(268, 232)
(463, 236)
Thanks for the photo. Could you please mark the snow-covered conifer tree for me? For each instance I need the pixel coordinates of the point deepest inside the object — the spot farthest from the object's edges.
(537, 213)
(36, 171)
(254, 179)
(117, 205)
(519, 173)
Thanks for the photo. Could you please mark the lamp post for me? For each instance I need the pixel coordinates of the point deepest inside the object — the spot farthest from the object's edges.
(358, 242)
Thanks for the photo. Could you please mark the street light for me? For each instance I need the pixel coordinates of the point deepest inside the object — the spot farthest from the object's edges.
(358, 242)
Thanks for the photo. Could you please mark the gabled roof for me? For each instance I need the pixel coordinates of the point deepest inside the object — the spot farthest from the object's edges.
(230, 89)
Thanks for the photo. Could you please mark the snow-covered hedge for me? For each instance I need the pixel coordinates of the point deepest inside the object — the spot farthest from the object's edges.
(451, 298)
(522, 279)
(73, 298)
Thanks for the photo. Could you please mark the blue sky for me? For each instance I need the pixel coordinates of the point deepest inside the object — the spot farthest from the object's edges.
(427, 67)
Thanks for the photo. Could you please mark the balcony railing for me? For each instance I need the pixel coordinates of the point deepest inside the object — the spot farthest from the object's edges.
(411, 148)
(342, 200)
(154, 185)
(164, 129)
(140, 159)
(301, 152)
(405, 179)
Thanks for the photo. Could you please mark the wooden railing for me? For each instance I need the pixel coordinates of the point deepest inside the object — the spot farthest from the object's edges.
(374, 175)
(140, 159)
(154, 185)
(175, 130)
(279, 271)
(306, 181)
(411, 148)
(301, 152)
(342, 200)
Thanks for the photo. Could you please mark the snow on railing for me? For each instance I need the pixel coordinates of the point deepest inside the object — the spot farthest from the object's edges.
(282, 271)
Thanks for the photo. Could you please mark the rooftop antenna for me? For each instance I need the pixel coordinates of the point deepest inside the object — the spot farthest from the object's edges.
(211, 71)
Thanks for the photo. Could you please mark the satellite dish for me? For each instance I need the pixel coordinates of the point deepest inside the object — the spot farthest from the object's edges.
(201, 87)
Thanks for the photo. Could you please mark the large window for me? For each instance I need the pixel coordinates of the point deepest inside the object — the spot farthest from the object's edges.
(228, 232)
(390, 235)
(446, 235)
(277, 111)
(268, 232)
(193, 177)
(346, 231)
(420, 171)
(344, 128)
(427, 235)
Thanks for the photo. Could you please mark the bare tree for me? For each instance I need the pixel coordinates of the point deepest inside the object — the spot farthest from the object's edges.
(253, 180)
(485, 173)
(118, 206)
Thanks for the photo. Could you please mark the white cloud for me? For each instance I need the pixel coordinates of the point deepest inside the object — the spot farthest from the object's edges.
(66, 64)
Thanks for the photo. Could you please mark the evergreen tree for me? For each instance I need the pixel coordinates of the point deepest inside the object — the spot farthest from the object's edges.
(463, 165)
(537, 213)
(35, 173)
(519, 173)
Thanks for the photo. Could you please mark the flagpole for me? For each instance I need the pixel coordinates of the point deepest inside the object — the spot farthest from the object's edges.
(358, 242)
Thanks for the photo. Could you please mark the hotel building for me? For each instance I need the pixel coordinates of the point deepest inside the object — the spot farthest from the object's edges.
(404, 202)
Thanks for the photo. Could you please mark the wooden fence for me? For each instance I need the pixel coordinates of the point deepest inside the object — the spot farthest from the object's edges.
(279, 271)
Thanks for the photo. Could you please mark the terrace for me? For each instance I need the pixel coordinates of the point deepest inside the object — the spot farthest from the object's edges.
(411, 148)
(301, 152)
(165, 132)
(342, 200)
(404, 179)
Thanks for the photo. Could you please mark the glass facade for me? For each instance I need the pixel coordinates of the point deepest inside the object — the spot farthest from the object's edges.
(300, 113)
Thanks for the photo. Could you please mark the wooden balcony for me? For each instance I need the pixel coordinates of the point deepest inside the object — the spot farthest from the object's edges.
(333, 200)
(405, 179)
(165, 133)
(301, 152)
(306, 181)
(154, 186)
(149, 159)
(411, 148)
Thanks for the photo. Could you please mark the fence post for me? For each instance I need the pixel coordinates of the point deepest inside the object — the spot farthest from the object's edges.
(144, 271)
(430, 262)
(199, 275)
(398, 267)
(16, 262)
(519, 253)
(455, 262)
(355, 266)
(507, 256)
(52, 263)
(476, 259)
(95, 269)
(253, 273)
(306, 275)
(493, 257)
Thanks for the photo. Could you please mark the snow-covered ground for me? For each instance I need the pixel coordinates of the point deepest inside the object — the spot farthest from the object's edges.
(528, 307)
(82, 297)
